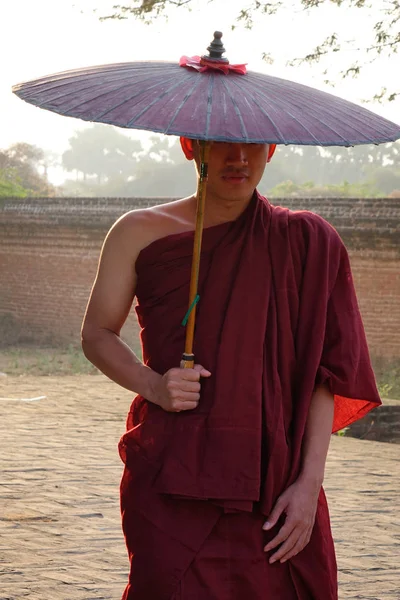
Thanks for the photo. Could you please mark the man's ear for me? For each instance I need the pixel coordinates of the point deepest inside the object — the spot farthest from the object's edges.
(187, 147)
(271, 152)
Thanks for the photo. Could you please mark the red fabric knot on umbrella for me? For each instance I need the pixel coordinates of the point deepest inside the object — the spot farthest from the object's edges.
(203, 64)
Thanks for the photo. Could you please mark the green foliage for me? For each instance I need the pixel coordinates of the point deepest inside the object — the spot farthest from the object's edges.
(388, 378)
(342, 432)
(388, 381)
(11, 188)
(308, 189)
(20, 175)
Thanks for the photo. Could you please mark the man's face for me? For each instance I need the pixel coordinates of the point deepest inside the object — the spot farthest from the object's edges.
(235, 169)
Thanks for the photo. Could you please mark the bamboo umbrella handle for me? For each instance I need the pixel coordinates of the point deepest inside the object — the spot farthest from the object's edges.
(188, 356)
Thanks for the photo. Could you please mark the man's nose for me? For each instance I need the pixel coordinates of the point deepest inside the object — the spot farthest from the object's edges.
(236, 154)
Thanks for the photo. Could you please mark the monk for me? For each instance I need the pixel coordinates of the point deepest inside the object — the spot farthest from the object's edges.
(221, 495)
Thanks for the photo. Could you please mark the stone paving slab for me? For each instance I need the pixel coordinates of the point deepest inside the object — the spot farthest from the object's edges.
(60, 534)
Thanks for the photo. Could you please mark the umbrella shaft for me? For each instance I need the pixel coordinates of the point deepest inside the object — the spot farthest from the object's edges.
(188, 357)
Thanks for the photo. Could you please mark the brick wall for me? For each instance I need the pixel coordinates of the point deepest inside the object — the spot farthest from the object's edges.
(381, 425)
(49, 250)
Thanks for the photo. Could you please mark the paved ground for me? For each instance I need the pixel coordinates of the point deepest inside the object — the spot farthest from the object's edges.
(60, 536)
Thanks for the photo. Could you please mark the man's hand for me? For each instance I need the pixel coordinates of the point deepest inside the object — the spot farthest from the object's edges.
(179, 389)
(299, 504)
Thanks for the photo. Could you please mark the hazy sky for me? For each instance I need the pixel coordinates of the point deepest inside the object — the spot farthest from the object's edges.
(46, 36)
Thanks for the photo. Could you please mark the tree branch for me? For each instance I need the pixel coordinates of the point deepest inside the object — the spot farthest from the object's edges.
(384, 35)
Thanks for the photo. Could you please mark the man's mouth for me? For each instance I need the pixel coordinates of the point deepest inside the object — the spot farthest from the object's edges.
(235, 177)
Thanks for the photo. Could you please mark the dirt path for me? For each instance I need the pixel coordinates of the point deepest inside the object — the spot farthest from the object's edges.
(60, 536)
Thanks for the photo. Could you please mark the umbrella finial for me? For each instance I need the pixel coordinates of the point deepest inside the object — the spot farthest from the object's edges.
(216, 49)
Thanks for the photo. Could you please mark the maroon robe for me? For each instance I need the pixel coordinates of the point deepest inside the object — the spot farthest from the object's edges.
(277, 315)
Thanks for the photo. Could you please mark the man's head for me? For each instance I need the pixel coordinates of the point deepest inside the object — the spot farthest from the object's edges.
(235, 169)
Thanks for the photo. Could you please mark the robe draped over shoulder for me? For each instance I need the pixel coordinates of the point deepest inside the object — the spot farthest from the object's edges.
(277, 316)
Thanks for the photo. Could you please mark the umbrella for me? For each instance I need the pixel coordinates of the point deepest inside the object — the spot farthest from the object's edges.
(238, 107)
(208, 99)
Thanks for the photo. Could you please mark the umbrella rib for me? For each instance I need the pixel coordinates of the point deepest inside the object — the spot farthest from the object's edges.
(197, 81)
(144, 110)
(101, 115)
(276, 127)
(236, 83)
(243, 127)
(279, 104)
(67, 77)
(93, 87)
(340, 110)
(295, 119)
(209, 104)
(60, 84)
(356, 118)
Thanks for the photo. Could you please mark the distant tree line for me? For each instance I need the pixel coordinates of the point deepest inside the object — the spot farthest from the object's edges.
(108, 163)
(103, 161)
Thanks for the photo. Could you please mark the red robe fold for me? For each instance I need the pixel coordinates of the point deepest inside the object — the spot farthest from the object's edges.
(277, 315)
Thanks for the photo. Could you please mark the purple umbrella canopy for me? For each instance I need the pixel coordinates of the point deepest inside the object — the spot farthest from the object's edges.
(208, 99)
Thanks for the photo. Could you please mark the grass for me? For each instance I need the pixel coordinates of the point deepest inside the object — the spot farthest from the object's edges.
(388, 378)
(29, 360)
(45, 361)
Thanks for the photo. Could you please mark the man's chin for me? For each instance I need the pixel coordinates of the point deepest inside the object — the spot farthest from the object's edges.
(235, 193)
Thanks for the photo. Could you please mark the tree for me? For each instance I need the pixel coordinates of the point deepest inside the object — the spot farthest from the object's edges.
(23, 171)
(122, 168)
(9, 188)
(387, 179)
(383, 39)
(102, 151)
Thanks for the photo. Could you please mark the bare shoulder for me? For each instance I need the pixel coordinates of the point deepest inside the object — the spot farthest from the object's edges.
(136, 229)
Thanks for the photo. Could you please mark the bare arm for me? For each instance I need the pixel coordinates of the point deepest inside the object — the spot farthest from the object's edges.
(317, 437)
(108, 308)
(109, 305)
(299, 501)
